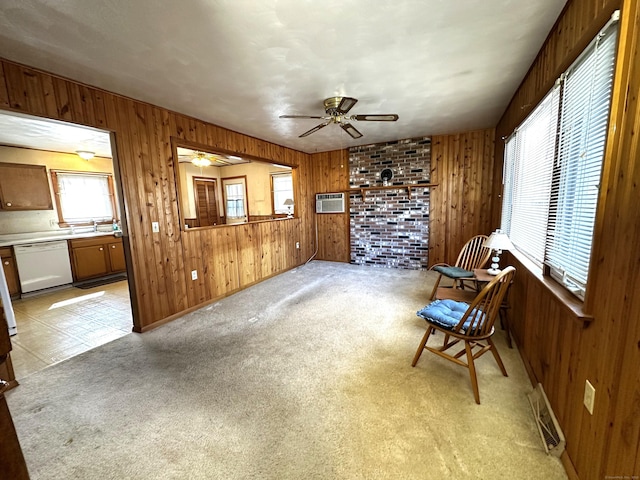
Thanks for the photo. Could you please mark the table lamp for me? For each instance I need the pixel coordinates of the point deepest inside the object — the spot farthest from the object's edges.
(497, 241)
(289, 203)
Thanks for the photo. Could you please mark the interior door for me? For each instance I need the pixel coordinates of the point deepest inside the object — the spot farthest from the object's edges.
(235, 199)
(206, 201)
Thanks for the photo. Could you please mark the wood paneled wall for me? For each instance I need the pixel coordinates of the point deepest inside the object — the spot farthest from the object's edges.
(559, 351)
(331, 174)
(227, 258)
(462, 167)
(460, 206)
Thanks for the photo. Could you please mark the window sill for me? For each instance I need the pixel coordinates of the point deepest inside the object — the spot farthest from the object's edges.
(570, 302)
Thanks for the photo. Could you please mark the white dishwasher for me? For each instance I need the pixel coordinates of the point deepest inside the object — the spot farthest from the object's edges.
(43, 265)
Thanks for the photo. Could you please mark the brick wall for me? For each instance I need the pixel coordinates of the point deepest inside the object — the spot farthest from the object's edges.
(388, 228)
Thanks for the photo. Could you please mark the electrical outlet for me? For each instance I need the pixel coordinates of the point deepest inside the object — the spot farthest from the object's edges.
(589, 396)
(155, 227)
(297, 244)
(194, 274)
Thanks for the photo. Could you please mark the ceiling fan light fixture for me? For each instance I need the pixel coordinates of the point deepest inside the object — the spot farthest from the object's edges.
(201, 160)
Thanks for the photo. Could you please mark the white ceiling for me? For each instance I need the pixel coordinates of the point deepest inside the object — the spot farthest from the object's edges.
(443, 66)
(19, 130)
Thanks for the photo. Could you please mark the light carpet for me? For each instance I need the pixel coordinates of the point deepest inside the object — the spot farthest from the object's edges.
(304, 376)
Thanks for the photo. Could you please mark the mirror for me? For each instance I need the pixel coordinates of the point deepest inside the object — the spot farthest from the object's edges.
(221, 188)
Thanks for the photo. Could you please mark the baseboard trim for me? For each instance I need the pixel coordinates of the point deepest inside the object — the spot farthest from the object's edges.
(568, 466)
(170, 318)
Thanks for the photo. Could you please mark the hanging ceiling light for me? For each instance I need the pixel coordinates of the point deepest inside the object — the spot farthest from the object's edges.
(201, 160)
(85, 154)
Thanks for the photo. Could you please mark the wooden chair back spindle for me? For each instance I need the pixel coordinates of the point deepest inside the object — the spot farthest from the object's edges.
(473, 254)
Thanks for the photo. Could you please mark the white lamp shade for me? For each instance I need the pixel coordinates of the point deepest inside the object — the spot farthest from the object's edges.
(498, 241)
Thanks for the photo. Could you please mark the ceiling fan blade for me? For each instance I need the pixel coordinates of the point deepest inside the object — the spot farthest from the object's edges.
(299, 116)
(346, 104)
(314, 129)
(375, 118)
(351, 130)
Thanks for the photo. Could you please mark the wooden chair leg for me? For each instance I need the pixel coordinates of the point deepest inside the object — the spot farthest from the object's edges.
(421, 347)
(435, 287)
(472, 372)
(496, 355)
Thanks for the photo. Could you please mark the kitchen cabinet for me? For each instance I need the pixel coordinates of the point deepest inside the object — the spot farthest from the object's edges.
(96, 257)
(10, 271)
(116, 255)
(24, 187)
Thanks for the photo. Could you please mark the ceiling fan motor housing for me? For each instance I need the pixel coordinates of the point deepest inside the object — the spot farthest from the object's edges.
(338, 105)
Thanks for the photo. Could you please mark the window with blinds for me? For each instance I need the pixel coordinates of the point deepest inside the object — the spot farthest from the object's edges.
(528, 187)
(584, 116)
(553, 165)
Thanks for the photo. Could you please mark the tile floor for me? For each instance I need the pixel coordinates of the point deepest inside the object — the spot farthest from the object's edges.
(58, 325)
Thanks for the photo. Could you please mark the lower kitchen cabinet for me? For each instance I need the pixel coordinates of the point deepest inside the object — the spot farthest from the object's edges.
(10, 271)
(96, 257)
(116, 256)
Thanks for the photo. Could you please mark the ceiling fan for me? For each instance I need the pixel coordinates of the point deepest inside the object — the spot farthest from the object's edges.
(205, 159)
(336, 109)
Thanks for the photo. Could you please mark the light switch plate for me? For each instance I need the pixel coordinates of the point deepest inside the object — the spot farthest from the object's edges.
(194, 274)
(155, 227)
(589, 396)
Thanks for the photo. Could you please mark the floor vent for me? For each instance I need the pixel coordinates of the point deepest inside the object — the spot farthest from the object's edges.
(552, 436)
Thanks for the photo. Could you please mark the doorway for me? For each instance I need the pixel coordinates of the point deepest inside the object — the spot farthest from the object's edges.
(57, 323)
(206, 196)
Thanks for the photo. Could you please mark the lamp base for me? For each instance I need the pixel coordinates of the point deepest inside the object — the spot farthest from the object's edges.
(493, 271)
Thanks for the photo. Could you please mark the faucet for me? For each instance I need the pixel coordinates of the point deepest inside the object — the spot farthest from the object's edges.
(95, 226)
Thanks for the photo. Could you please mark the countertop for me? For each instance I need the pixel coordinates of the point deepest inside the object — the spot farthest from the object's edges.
(38, 237)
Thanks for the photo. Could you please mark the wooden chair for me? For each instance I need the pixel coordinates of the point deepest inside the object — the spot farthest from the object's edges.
(473, 255)
(467, 296)
(470, 323)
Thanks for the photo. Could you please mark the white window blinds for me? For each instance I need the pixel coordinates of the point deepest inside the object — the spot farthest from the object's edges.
(553, 165)
(584, 117)
(529, 162)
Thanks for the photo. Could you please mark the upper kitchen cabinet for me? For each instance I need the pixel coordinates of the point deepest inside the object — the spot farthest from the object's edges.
(24, 187)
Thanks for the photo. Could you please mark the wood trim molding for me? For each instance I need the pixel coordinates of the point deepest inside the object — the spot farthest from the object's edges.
(569, 302)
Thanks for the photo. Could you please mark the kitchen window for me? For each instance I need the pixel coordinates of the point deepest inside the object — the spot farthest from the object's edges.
(83, 198)
(553, 165)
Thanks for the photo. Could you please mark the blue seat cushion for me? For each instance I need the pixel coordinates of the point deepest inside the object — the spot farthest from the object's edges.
(445, 313)
(453, 272)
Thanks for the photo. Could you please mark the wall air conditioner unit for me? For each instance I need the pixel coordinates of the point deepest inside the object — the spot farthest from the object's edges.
(329, 202)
